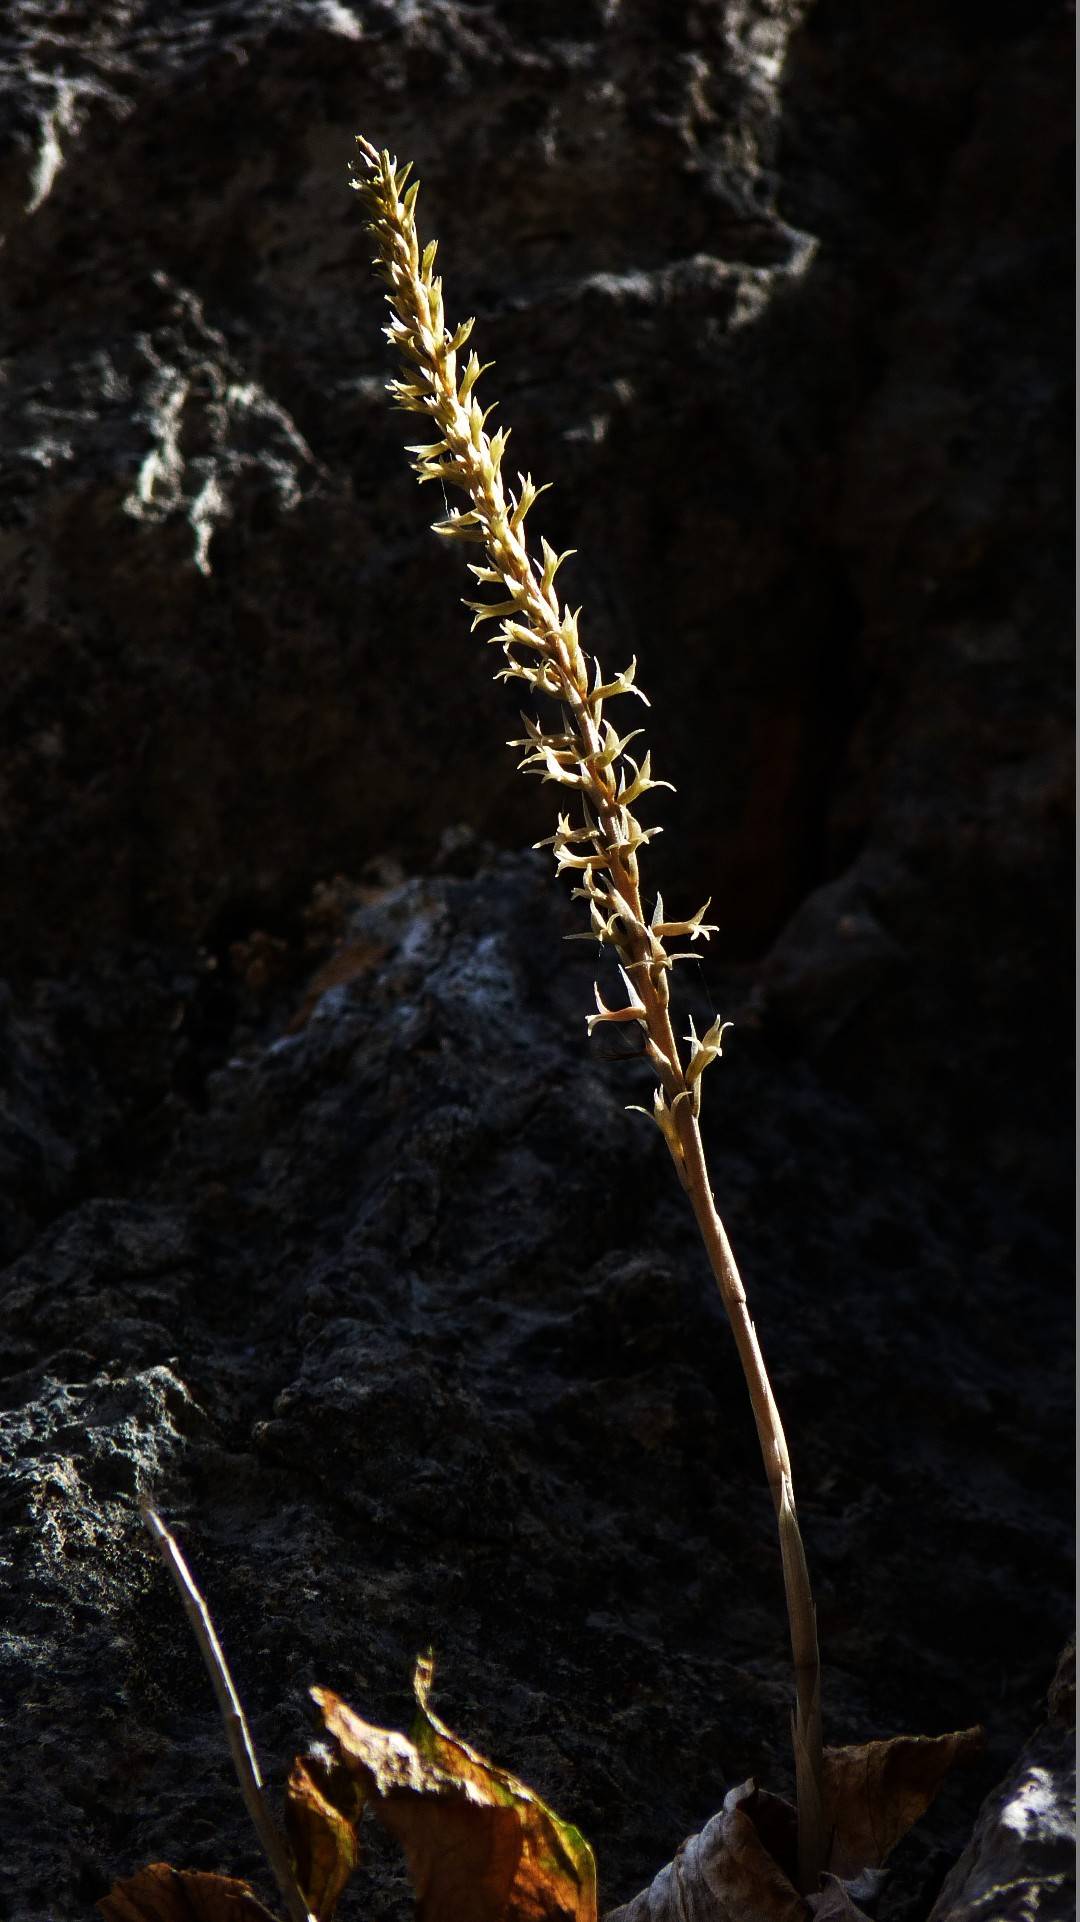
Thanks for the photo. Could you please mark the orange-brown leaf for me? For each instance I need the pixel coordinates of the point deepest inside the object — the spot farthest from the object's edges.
(875, 1791)
(479, 1845)
(461, 1852)
(461, 1857)
(322, 1808)
(161, 1894)
(556, 1876)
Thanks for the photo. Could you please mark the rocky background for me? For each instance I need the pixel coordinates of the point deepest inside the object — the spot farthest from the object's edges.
(319, 1221)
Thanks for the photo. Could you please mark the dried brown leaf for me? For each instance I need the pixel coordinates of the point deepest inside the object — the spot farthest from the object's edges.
(322, 1808)
(556, 1874)
(161, 1894)
(741, 1866)
(479, 1845)
(728, 1873)
(461, 1857)
(835, 1904)
(876, 1791)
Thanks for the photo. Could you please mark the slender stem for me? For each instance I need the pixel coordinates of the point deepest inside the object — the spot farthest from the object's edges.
(802, 1615)
(688, 1153)
(241, 1746)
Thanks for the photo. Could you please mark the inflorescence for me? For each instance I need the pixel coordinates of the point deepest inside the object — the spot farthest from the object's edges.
(540, 643)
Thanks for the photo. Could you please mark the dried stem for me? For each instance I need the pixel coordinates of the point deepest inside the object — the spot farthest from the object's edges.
(241, 1746)
(583, 753)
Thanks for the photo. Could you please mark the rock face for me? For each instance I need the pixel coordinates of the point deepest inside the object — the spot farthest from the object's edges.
(318, 1220)
(1021, 1859)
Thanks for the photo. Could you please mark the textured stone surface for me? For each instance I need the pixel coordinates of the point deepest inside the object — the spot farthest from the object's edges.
(405, 1327)
(1021, 1860)
(317, 1219)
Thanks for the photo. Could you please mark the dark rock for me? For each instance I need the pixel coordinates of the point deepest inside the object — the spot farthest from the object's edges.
(1021, 1859)
(318, 1219)
(407, 1329)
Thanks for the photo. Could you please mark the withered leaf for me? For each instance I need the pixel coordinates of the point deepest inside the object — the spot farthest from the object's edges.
(876, 1791)
(323, 1804)
(740, 1867)
(835, 1904)
(462, 1853)
(556, 1875)
(461, 1857)
(728, 1872)
(161, 1894)
(479, 1845)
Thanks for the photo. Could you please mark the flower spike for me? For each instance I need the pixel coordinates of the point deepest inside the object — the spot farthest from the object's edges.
(588, 756)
